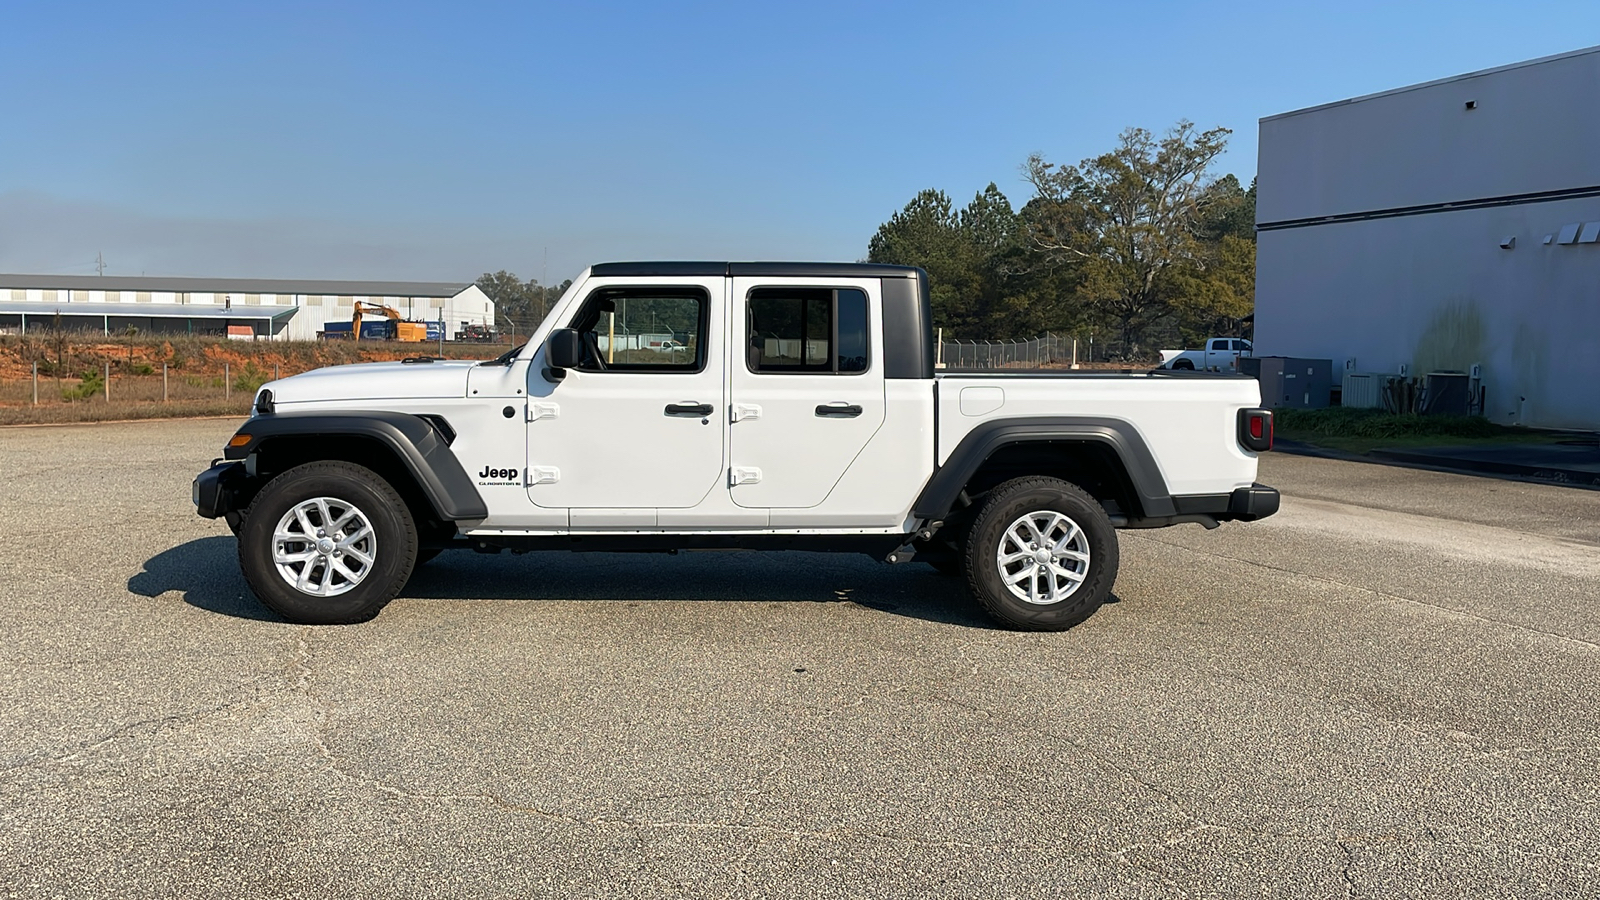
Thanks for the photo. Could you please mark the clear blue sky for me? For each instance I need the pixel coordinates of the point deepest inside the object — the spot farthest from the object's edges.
(437, 141)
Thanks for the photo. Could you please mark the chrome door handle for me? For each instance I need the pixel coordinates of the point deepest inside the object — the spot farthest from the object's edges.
(689, 408)
(839, 410)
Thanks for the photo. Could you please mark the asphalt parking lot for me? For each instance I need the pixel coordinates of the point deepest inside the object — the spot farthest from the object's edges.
(1386, 690)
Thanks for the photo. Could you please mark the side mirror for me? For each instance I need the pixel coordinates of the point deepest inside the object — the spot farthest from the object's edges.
(563, 349)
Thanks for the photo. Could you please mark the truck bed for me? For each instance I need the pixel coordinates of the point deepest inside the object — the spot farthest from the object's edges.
(1189, 422)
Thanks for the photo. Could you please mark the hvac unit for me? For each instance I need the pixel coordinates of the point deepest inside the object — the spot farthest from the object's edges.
(1289, 382)
(1448, 394)
(1363, 390)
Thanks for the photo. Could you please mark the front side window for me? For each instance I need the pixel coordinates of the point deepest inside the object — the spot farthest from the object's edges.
(644, 329)
(807, 330)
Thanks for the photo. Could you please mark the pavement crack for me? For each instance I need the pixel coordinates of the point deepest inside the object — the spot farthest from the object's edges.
(78, 751)
(833, 835)
(301, 685)
(1349, 863)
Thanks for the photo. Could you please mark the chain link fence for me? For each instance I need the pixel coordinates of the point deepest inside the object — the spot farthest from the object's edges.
(1045, 350)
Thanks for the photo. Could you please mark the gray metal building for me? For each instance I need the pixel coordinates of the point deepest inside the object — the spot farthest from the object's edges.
(270, 308)
(1443, 226)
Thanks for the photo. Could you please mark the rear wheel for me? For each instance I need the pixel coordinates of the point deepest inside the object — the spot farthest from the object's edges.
(327, 543)
(1041, 555)
(1183, 364)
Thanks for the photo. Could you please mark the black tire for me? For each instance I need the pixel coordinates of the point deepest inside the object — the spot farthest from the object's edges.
(1005, 507)
(1184, 365)
(393, 546)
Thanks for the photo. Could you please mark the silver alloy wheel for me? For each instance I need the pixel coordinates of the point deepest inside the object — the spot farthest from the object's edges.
(324, 546)
(1043, 557)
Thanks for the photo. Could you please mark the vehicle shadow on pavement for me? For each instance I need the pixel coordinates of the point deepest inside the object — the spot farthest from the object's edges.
(912, 590)
(206, 572)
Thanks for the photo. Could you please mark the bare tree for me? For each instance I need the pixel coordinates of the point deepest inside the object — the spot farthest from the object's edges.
(1126, 219)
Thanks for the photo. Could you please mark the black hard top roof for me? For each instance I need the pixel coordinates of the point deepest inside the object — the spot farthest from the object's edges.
(757, 269)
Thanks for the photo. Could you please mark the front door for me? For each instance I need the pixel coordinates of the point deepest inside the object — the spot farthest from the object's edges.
(639, 426)
(807, 387)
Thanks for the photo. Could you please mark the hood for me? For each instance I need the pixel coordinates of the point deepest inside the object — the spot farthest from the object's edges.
(376, 381)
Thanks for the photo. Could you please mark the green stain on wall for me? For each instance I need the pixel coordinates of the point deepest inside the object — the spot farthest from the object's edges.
(1454, 339)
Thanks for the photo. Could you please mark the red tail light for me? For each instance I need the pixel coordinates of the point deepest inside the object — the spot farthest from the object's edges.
(1255, 429)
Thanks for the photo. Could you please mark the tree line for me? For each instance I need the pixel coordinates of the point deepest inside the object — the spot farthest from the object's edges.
(1142, 244)
(517, 302)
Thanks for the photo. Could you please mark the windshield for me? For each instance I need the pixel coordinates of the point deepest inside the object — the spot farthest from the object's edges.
(510, 356)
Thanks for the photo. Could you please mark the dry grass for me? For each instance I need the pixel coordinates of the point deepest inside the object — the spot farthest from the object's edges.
(203, 376)
(101, 411)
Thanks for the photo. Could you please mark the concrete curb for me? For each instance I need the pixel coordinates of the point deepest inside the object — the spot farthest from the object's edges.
(1421, 459)
(1551, 474)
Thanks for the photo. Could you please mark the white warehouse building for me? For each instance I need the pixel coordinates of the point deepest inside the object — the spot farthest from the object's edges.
(1442, 227)
(270, 308)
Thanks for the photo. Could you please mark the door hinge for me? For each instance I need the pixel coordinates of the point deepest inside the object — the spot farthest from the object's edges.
(543, 475)
(741, 411)
(543, 411)
(743, 475)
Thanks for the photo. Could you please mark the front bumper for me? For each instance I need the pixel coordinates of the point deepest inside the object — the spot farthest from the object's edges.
(213, 489)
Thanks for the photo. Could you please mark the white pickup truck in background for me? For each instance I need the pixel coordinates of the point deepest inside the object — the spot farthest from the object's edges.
(789, 406)
(1219, 355)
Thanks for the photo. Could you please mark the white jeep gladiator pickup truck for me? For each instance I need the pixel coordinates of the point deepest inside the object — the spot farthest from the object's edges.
(795, 407)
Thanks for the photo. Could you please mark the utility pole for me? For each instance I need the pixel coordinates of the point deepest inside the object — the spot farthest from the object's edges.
(100, 263)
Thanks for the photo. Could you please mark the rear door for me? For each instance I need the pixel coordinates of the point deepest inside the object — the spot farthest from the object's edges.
(806, 386)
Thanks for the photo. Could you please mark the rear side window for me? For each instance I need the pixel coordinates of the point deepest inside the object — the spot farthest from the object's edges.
(807, 330)
(1219, 345)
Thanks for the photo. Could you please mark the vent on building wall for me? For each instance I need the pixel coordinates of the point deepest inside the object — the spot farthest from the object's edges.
(1472, 104)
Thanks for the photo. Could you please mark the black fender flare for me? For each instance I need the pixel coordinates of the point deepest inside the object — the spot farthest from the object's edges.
(412, 439)
(939, 495)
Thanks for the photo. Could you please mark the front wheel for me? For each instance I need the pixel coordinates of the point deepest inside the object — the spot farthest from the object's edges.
(327, 543)
(1041, 555)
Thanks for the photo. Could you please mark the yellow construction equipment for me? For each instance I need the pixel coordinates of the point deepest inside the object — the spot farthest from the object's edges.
(400, 329)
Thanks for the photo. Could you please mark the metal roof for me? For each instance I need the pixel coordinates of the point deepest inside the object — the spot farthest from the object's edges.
(236, 285)
(145, 310)
(1437, 81)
